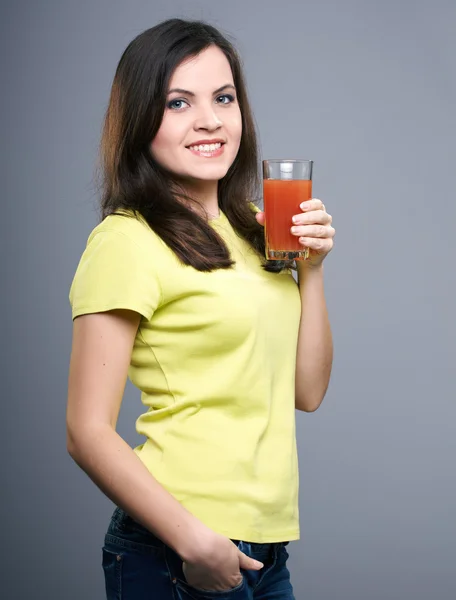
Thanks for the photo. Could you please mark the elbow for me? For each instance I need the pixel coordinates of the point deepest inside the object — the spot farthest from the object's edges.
(309, 403)
(84, 438)
(72, 444)
(79, 440)
(306, 406)
(308, 398)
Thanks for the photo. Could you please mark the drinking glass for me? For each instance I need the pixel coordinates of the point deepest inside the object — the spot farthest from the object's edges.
(286, 184)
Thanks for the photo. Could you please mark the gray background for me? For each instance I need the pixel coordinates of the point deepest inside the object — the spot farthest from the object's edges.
(366, 89)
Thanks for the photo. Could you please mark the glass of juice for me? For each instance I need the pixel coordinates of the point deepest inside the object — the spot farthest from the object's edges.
(286, 184)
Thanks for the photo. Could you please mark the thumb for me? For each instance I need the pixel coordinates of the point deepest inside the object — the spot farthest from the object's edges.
(249, 564)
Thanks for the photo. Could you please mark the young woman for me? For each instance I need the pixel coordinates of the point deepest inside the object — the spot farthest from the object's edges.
(173, 291)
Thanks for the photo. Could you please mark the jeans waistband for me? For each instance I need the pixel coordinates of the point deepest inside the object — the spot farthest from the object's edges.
(258, 551)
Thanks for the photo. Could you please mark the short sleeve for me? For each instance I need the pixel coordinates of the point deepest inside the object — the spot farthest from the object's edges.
(115, 272)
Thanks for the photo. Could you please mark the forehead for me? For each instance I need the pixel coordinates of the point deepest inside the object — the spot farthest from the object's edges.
(207, 71)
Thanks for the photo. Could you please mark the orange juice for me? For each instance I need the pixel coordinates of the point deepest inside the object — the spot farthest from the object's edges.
(281, 201)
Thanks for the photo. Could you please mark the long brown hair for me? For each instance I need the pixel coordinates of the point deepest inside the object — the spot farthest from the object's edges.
(131, 179)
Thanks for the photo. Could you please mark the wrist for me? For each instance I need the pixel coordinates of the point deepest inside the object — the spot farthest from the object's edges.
(305, 269)
(195, 542)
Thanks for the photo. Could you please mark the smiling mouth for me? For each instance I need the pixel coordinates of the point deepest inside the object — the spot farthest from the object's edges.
(206, 148)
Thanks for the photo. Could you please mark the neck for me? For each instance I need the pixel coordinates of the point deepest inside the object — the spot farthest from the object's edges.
(205, 193)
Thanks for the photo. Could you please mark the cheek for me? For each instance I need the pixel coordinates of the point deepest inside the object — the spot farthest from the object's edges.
(238, 125)
(234, 127)
(164, 144)
(159, 144)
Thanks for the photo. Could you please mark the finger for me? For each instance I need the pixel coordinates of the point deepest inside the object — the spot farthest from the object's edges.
(312, 204)
(245, 562)
(260, 217)
(314, 231)
(313, 216)
(322, 246)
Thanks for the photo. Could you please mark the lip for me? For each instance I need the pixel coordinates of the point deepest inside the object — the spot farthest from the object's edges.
(210, 154)
(202, 142)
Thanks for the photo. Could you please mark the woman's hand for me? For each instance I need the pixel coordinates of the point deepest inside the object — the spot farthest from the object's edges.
(216, 565)
(314, 228)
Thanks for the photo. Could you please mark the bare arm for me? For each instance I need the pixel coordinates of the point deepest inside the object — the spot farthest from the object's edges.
(315, 348)
(102, 345)
(100, 357)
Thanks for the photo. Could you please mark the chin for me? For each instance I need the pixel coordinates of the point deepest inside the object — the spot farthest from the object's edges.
(208, 174)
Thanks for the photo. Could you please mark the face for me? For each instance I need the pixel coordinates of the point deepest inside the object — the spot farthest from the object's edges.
(201, 129)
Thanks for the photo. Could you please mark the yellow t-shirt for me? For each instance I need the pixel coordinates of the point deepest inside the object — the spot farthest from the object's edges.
(214, 358)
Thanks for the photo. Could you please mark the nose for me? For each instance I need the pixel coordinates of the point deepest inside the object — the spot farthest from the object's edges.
(208, 120)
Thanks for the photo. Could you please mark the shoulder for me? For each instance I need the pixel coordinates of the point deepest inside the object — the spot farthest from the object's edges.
(126, 228)
(119, 268)
(123, 241)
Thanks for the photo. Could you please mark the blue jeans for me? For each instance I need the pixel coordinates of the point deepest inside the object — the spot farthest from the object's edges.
(138, 566)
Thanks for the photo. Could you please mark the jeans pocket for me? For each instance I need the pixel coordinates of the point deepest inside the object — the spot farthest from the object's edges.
(134, 571)
(187, 592)
(112, 567)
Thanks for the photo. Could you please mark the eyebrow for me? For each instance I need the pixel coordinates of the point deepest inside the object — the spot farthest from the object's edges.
(188, 93)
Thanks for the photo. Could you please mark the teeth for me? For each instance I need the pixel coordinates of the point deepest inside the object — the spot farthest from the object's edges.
(206, 147)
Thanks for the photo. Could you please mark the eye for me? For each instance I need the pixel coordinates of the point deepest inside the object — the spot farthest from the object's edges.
(177, 104)
(225, 99)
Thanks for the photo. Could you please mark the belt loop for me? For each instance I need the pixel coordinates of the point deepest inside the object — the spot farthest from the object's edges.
(276, 548)
(245, 547)
(120, 516)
